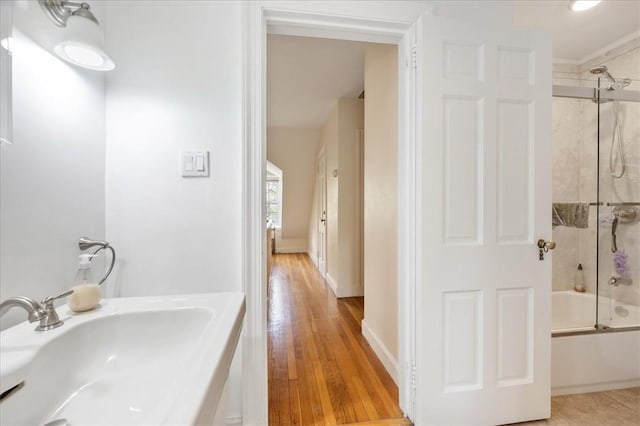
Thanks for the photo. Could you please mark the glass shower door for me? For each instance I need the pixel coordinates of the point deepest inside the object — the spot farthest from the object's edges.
(618, 184)
(575, 209)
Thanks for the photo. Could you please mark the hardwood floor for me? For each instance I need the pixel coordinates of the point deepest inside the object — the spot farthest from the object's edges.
(321, 370)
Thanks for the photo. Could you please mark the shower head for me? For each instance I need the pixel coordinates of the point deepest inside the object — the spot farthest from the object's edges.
(602, 69)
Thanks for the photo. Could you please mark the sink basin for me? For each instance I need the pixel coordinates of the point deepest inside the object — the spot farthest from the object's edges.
(143, 360)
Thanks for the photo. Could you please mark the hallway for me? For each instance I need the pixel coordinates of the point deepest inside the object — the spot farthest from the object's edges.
(321, 369)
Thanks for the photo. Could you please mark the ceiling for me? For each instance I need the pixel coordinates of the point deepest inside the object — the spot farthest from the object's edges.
(305, 75)
(577, 36)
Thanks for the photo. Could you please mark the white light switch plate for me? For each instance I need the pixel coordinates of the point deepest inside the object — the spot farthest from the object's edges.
(195, 163)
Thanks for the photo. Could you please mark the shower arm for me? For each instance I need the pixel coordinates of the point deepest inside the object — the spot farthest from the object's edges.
(87, 243)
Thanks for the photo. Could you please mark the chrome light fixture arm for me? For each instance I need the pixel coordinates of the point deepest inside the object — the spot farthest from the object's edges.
(60, 10)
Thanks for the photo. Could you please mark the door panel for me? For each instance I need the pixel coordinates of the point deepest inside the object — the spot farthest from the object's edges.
(322, 213)
(484, 303)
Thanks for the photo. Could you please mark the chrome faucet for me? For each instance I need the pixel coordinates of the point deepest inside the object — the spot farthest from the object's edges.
(616, 281)
(44, 311)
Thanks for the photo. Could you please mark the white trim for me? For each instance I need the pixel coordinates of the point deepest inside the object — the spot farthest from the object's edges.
(314, 259)
(409, 209)
(566, 61)
(257, 16)
(295, 23)
(332, 283)
(359, 212)
(233, 420)
(603, 51)
(598, 387)
(255, 408)
(600, 52)
(290, 250)
(385, 357)
(321, 180)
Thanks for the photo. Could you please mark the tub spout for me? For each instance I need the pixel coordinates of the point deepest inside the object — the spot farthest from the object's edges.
(616, 281)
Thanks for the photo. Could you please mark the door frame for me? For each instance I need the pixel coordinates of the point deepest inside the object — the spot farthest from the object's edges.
(259, 18)
(359, 225)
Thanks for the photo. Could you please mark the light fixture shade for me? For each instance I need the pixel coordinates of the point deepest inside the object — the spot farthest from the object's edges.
(83, 45)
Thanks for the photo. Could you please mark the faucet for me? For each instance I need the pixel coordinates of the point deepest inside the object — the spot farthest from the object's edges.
(44, 311)
(616, 281)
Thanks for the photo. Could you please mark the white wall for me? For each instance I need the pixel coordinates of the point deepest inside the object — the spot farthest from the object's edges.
(350, 119)
(343, 248)
(293, 150)
(380, 199)
(330, 142)
(52, 176)
(176, 86)
(314, 218)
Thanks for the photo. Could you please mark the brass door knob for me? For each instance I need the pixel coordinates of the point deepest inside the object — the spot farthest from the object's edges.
(544, 247)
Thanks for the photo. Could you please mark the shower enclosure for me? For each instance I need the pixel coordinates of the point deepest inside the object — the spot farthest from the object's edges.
(596, 202)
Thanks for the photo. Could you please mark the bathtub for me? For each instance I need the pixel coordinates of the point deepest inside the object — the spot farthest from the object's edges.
(573, 311)
(599, 359)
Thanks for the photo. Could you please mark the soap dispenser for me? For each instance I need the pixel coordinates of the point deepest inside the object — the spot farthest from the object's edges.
(86, 293)
(579, 280)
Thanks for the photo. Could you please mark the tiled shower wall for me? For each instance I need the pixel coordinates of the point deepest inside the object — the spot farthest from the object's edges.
(575, 179)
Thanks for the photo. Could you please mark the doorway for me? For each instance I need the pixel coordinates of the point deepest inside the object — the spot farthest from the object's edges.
(329, 81)
(255, 404)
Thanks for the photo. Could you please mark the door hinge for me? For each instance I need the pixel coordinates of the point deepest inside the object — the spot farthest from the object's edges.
(413, 377)
(414, 55)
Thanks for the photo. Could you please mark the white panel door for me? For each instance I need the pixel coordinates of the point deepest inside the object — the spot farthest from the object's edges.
(322, 213)
(484, 300)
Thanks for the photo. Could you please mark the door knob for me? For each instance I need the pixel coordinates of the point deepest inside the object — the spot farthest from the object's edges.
(544, 246)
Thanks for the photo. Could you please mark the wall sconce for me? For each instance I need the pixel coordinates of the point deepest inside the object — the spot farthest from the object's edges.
(83, 42)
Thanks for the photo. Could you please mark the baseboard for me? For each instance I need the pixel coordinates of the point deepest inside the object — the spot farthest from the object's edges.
(596, 387)
(389, 362)
(313, 258)
(288, 250)
(357, 292)
(291, 245)
(233, 420)
(332, 283)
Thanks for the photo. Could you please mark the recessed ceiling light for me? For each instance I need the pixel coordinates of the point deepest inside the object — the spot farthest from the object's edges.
(580, 5)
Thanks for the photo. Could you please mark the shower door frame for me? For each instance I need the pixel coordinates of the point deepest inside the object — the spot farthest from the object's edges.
(593, 94)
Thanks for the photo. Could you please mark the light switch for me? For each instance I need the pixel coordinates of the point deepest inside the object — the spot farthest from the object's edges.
(195, 163)
(187, 162)
(199, 163)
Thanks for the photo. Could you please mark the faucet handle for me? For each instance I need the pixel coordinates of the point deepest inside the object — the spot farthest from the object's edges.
(49, 300)
(51, 319)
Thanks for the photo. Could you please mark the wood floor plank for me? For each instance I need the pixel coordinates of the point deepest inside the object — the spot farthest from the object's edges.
(321, 369)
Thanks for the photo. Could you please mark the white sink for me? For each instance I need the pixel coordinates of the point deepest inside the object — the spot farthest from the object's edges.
(142, 361)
